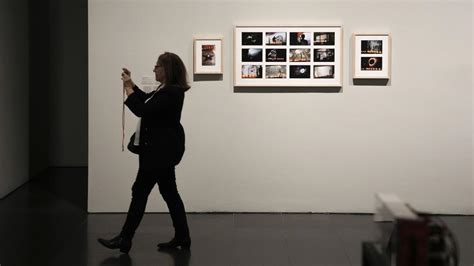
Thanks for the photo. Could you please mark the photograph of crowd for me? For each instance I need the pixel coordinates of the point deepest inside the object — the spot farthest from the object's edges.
(300, 55)
(275, 72)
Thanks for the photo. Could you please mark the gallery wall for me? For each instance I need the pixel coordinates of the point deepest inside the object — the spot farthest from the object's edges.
(14, 109)
(68, 83)
(284, 151)
(39, 92)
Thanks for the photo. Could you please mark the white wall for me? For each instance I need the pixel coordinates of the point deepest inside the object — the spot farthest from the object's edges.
(13, 95)
(472, 87)
(293, 152)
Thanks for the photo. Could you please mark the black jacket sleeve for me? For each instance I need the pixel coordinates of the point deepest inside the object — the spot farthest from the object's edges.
(160, 102)
(141, 94)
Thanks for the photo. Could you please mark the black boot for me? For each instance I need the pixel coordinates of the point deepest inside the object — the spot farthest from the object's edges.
(184, 243)
(118, 242)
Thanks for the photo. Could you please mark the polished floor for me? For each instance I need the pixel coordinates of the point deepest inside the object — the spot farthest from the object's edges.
(45, 223)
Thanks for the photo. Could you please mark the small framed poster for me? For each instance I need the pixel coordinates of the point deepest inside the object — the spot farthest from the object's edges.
(208, 56)
(288, 56)
(372, 56)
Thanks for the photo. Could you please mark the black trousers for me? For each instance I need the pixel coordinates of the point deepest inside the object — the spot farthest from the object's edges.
(146, 180)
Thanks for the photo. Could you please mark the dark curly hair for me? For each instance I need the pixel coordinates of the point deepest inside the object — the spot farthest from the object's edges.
(175, 71)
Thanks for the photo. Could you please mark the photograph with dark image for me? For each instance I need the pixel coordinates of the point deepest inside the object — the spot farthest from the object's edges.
(300, 72)
(300, 55)
(276, 55)
(371, 63)
(323, 55)
(300, 38)
(252, 38)
(275, 72)
(252, 55)
(371, 47)
(275, 38)
(208, 55)
(324, 38)
(251, 72)
(323, 72)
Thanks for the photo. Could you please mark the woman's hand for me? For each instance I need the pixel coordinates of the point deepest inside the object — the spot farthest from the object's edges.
(127, 81)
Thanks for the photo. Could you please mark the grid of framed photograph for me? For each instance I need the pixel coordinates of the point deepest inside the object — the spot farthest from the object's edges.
(207, 55)
(372, 56)
(292, 56)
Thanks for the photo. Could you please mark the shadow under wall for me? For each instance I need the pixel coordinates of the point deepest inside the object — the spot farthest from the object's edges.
(207, 77)
(371, 82)
(219, 77)
(67, 183)
(288, 89)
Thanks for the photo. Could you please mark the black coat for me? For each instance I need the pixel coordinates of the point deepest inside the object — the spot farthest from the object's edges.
(161, 132)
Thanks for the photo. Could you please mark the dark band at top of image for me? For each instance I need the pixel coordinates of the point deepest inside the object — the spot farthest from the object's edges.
(296, 38)
(324, 38)
(371, 47)
(300, 38)
(252, 38)
(275, 38)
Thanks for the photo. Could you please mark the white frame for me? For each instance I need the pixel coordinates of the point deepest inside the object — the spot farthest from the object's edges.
(289, 80)
(382, 71)
(199, 68)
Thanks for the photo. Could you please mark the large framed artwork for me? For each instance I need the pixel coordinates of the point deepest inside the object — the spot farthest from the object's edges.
(288, 56)
(208, 55)
(372, 56)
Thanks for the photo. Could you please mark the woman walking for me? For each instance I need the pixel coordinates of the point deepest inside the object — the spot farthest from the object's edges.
(159, 142)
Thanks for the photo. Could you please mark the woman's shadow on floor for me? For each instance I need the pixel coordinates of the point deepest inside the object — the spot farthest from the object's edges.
(180, 257)
(122, 260)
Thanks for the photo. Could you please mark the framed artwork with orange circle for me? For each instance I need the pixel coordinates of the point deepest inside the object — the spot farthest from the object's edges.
(372, 56)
